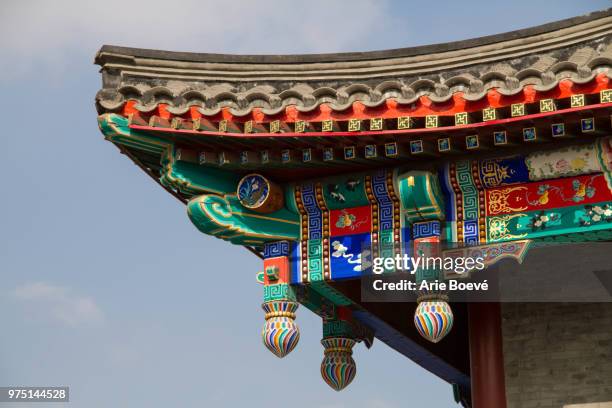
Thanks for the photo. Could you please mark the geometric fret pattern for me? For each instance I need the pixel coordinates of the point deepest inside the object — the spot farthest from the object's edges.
(333, 236)
(274, 249)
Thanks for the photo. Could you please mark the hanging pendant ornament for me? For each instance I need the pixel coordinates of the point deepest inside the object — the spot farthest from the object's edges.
(433, 317)
(280, 333)
(338, 368)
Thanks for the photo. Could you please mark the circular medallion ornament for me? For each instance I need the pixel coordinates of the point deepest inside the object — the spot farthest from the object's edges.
(257, 193)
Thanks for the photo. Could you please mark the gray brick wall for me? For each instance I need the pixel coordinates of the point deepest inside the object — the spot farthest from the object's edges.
(557, 354)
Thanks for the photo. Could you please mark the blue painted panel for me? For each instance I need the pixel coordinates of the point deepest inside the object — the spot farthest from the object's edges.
(497, 172)
(295, 261)
(448, 194)
(406, 237)
(345, 256)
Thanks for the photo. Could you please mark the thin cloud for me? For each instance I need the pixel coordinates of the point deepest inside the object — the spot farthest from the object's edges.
(59, 304)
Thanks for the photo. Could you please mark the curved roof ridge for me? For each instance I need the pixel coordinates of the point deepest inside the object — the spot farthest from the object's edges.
(100, 58)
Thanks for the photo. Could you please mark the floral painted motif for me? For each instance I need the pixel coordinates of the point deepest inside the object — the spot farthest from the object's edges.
(581, 191)
(570, 161)
(604, 149)
(539, 221)
(253, 190)
(348, 220)
(596, 214)
(549, 194)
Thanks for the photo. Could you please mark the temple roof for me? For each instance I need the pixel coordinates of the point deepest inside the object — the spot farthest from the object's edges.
(577, 49)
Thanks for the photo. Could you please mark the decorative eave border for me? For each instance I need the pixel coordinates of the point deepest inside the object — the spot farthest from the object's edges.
(421, 116)
(210, 82)
(211, 101)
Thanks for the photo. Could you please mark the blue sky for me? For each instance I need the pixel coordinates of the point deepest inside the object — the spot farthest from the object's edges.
(105, 285)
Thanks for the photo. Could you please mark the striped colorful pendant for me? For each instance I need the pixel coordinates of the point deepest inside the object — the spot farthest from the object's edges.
(280, 333)
(338, 367)
(433, 319)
